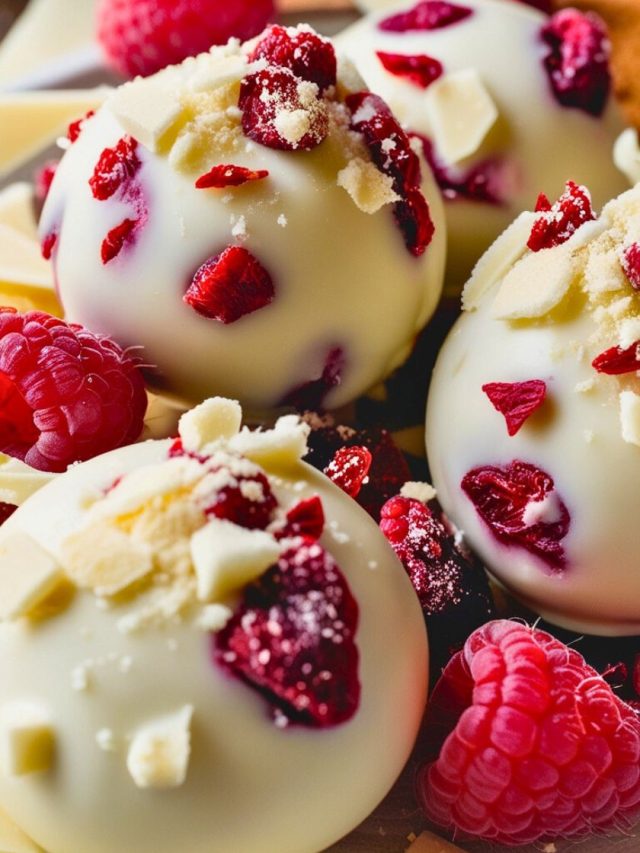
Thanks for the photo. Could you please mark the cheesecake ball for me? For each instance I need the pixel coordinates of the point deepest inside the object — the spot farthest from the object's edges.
(201, 644)
(260, 225)
(507, 102)
(533, 418)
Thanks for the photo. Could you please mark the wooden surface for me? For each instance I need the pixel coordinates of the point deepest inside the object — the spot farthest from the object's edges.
(398, 819)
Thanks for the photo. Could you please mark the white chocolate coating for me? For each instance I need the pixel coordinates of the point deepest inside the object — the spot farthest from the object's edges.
(576, 437)
(541, 143)
(338, 272)
(250, 785)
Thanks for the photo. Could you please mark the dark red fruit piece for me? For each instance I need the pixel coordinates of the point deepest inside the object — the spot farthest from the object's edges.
(306, 518)
(75, 128)
(292, 639)
(631, 264)
(68, 394)
(349, 469)
(229, 176)
(419, 69)
(482, 182)
(229, 286)
(502, 497)
(578, 60)
(309, 56)
(558, 222)
(265, 95)
(425, 15)
(414, 220)
(312, 394)
(6, 511)
(517, 401)
(115, 168)
(247, 501)
(616, 361)
(48, 245)
(43, 179)
(116, 239)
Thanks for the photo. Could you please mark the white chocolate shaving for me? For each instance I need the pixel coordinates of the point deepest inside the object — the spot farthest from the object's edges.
(212, 420)
(535, 285)
(27, 739)
(159, 753)
(28, 574)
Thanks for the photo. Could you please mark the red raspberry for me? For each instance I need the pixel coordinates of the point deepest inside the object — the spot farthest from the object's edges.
(6, 511)
(115, 169)
(230, 285)
(292, 639)
(616, 361)
(533, 745)
(238, 504)
(520, 506)
(67, 394)
(349, 469)
(517, 401)
(578, 60)
(266, 95)
(631, 264)
(43, 179)
(558, 222)
(311, 394)
(75, 128)
(142, 36)
(420, 70)
(425, 15)
(229, 176)
(306, 519)
(302, 51)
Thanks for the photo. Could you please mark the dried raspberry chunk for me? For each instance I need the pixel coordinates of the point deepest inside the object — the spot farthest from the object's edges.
(616, 361)
(116, 239)
(631, 264)
(528, 742)
(67, 394)
(247, 500)
(419, 69)
(223, 176)
(306, 518)
(520, 506)
(75, 128)
(292, 639)
(483, 182)
(43, 178)
(281, 111)
(302, 51)
(517, 401)
(578, 60)
(558, 222)
(349, 469)
(115, 168)
(425, 15)
(229, 286)
(6, 511)
(312, 394)
(48, 244)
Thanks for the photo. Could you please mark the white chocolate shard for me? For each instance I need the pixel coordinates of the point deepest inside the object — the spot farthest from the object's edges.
(28, 574)
(497, 260)
(427, 842)
(146, 111)
(227, 557)
(101, 557)
(626, 155)
(369, 188)
(19, 481)
(423, 492)
(17, 209)
(159, 753)
(535, 285)
(630, 417)
(461, 113)
(212, 420)
(285, 444)
(213, 617)
(629, 332)
(27, 739)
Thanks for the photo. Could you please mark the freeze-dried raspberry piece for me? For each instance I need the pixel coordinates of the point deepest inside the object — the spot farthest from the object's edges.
(631, 264)
(312, 394)
(302, 51)
(520, 506)
(556, 223)
(420, 69)
(229, 286)
(616, 361)
(349, 469)
(281, 111)
(306, 518)
(528, 742)
(67, 394)
(578, 60)
(75, 128)
(517, 401)
(228, 175)
(48, 244)
(425, 15)
(483, 182)
(115, 168)
(292, 639)
(43, 179)
(116, 239)
(6, 511)
(247, 500)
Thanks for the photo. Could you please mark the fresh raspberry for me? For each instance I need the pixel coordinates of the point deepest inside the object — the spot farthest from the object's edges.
(143, 36)
(616, 361)
(558, 222)
(116, 240)
(48, 244)
(425, 15)
(312, 394)
(43, 179)
(517, 401)
(533, 743)
(302, 51)
(578, 60)
(247, 501)
(229, 286)
(349, 469)
(75, 128)
(67, 394)
(115, 168)
(268, 95)
(520, 506)
(292, 639)
(224, 176)
(306, 518)
(631, 264)
(419, 69)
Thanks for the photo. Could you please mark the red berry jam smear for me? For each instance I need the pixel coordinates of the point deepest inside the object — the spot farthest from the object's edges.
(305, 53)
(425, 15)
(577, 61)
(556, 223)
(292, 639)
(419, 69)
(222, 176)
(520, 506)
(517, 401)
